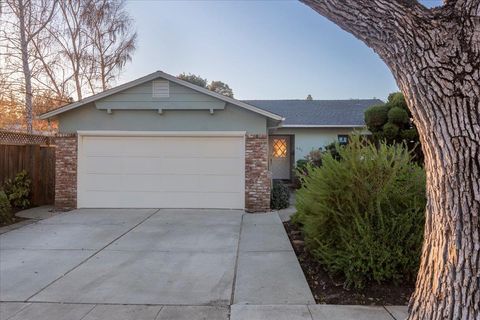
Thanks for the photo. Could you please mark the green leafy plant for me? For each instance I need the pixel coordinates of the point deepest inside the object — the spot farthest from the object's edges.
(18, 190)
(362, 214)
(392, 122)
(6, 215)
(279, 196)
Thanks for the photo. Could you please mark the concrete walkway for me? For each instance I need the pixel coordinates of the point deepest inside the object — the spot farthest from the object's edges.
(157, 264)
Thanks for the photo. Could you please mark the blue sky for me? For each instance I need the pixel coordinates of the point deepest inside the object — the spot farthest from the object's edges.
(262, 49)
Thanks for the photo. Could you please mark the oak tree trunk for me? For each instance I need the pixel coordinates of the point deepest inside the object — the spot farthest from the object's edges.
(434, 55)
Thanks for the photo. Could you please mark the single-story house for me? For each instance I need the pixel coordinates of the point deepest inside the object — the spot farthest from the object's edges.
(161, 142)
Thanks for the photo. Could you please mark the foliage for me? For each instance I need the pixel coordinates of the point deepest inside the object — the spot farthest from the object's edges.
(362, 215)
(193, 79)
(215, 86)
(314, 157)
(280, 196)
(18, 190)
(221, 88)
(332, 149)
(392, 122)
(6, 215)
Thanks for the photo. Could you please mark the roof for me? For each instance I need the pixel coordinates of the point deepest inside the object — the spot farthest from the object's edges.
(318, 113)
(150, 77)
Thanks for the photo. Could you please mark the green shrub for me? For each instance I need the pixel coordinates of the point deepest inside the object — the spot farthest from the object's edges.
(390, 130)
(398, 115)
(18, 190)
(362, 215)
(376, 116)
(280, 196)
(6, 215)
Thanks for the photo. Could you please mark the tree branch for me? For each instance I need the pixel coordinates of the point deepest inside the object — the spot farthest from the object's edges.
(376, 22)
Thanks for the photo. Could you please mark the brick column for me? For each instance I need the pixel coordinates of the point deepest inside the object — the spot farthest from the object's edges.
(66, 171)
(257, 177)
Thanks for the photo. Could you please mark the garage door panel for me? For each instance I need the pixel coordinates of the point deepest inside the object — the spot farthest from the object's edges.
(102, 199)
(100, 146)
(165, 171)
(202, 166)
(161, 183)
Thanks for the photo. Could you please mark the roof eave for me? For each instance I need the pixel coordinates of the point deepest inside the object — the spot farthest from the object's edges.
(150, 77)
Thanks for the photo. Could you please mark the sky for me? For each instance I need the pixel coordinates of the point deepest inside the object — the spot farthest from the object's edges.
(263, 49)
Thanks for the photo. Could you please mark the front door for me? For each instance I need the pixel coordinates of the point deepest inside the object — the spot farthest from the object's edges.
(280, 157)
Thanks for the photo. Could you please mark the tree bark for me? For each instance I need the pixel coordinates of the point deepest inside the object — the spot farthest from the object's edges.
(434, 55)
(27, 74)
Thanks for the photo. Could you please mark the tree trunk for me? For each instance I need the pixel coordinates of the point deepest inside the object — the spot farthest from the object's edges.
(27, 74)
(434, 55)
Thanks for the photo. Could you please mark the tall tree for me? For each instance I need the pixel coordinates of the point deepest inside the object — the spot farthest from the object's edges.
(221, 87)
(194, 79)
(110, 29)
(215, 86)
(28, 18)
(434, 55)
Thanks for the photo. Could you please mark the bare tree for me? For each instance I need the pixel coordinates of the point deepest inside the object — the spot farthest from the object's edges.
(28, 19)
(434, 55)
(73, 41)
(110, 29)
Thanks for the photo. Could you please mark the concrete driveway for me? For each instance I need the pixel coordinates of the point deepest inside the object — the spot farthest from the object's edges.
(159, 264)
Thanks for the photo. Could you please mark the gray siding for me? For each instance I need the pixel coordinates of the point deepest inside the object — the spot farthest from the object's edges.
(308, 139)
(185, 110)
(140, 97)
(232, 118)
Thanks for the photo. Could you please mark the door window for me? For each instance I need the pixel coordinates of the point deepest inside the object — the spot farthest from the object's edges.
(279, 148)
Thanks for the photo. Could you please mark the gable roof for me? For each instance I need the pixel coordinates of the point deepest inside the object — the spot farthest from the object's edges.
(153, 76)
(318, 113)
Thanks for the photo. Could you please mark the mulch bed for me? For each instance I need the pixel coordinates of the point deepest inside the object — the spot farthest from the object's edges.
(327, 290)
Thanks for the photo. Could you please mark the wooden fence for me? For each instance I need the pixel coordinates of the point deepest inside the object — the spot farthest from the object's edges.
(38, 161)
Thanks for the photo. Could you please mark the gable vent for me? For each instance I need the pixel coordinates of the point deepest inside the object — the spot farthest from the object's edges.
(160, 89)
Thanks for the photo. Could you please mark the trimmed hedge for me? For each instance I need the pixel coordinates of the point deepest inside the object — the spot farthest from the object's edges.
(280, 196)
(363, 214)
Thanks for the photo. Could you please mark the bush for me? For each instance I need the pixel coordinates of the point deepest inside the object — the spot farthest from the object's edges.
(398, 115)
(6, 215)
(18, 190)
(362, 215)
(376, 116)
(280, 196)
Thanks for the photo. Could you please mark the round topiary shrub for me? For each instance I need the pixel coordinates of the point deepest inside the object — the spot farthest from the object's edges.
(398, 115)
(363, 215)
(390, 131)
(6, 215)
(279, 196)
(376, 116)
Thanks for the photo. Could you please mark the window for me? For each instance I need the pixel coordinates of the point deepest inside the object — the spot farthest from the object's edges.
(279, 148)
(160, 89)
(343, 139)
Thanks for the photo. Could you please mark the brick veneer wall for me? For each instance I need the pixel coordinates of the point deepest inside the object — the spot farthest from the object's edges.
(66, 171)
(257, 176)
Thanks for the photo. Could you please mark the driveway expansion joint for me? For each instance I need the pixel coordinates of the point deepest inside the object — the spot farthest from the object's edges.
(91, 256)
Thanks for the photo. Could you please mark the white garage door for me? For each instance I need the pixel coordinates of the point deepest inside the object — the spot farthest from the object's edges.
(161, 171)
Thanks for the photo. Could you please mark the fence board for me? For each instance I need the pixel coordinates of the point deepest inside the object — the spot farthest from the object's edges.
(38, 161)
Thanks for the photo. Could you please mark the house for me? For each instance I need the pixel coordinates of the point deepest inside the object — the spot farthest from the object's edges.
(161, 142)
(309, 125)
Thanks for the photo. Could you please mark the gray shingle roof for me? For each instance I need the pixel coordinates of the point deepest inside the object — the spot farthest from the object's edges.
(318, 112)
